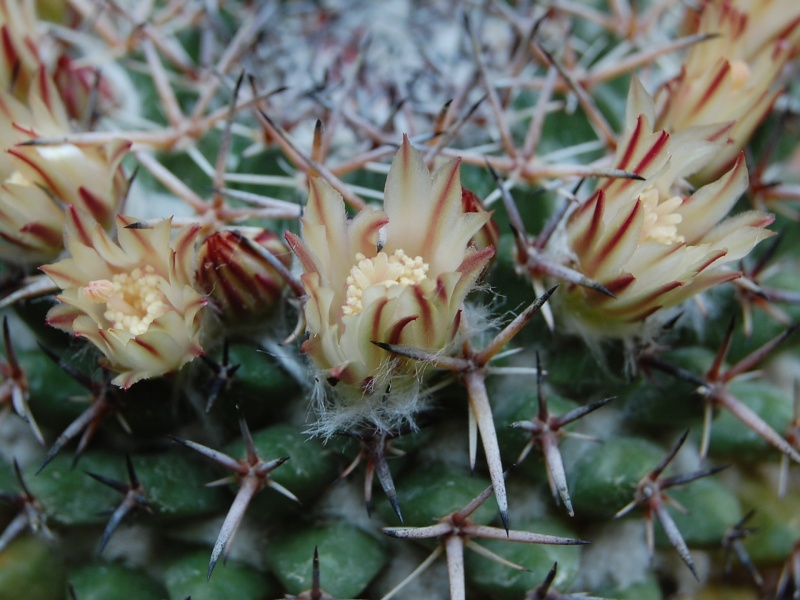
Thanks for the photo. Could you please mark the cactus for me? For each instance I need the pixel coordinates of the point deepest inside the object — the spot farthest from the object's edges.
(463, 300)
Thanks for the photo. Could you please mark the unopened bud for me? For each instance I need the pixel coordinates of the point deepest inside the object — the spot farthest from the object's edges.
(239, 280)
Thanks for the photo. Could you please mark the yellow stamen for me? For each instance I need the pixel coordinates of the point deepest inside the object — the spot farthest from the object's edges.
(660, 220)
(17, 178)
(133, 300)
(388, 271)
(740, 74)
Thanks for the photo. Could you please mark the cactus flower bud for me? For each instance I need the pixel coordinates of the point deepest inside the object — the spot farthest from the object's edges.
(397, 275)
(131, 298)
(239, 281)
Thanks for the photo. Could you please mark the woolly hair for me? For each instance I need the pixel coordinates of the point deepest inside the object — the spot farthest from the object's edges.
(660, 327)
(391, 403)
(633, 335)
(398, 392)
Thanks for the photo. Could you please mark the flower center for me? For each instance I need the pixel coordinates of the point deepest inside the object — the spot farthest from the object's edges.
(17, 178)
(382, 269)
(133, 300)
(740, 74)
(660, 220)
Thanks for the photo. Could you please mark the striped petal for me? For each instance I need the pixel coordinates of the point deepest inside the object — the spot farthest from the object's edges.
(129, 298)
(397, 275)
(649, 244)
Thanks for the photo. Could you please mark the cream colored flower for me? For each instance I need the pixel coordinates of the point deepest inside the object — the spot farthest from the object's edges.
(131, 298)
(397, 275)
(39, 181)
(653, 243)
(729, 79)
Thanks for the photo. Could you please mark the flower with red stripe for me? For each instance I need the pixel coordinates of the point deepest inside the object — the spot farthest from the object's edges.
(132, 298)
(397, 275)
(728, 81)
(38, 181)
(654, 243)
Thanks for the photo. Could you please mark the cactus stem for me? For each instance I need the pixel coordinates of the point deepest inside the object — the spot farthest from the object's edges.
(105, 401)
(674, 536)
(32, 287)
(790, 574)
(30, 513)
(304, 163)
(750, 418)
(530, 256)
(732, 544)
(471, 366)
(545, 431)
(315, 580)
(416, 572)
(14, 389)
(375, 446)
(224, 373)
(793, 437)
(650, 494)
(248, 487)
(454, 550)
(713, 389)
(486, 553)
(480, 408)
(134, 499)
(543, 592)
(252, 473)
(457, 526)
(596, 118)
